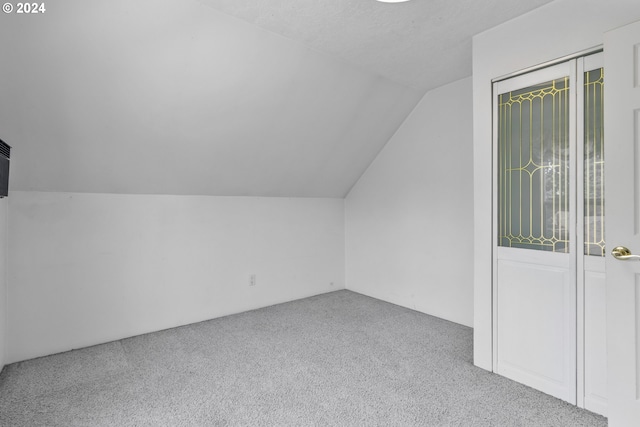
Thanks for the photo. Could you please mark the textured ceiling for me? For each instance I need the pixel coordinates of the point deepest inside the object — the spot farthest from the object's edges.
(421, 43)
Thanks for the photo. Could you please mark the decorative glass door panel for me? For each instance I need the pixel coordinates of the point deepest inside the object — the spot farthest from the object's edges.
(594, 163)
(533, 167)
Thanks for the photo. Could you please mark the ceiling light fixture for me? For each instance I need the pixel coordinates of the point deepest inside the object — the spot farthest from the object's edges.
(392, 1)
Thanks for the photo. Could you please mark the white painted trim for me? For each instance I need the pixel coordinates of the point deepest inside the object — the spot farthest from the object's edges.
(551, 63)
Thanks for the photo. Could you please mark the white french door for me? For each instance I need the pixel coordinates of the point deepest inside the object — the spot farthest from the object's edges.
(535, 244)
(549, 241)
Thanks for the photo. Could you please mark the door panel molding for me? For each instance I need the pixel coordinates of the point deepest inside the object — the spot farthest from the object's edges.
(536, 350)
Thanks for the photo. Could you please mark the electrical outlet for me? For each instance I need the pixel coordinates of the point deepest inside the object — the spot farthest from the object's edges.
(252, 280)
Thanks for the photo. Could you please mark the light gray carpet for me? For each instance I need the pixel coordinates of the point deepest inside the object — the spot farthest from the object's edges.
(339, 359)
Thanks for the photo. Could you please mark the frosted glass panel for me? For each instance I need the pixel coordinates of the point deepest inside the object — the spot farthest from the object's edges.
(533, 167)
(594, 163)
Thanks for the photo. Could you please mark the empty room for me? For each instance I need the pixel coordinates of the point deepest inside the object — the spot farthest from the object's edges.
(320, 213)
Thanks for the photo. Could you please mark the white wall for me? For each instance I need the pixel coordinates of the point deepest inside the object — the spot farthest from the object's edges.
(558, 29)
(409, 235)
(3, 281)
(91, 268)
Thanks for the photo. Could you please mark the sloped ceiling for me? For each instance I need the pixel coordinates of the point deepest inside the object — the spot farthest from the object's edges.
(209, 97)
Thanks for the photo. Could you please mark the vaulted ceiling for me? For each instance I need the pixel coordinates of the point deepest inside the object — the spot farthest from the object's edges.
(222, 97)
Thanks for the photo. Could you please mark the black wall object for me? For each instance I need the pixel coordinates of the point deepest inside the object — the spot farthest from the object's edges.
(5, 155)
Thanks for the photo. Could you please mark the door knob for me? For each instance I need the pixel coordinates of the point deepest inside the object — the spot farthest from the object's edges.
(624, 254)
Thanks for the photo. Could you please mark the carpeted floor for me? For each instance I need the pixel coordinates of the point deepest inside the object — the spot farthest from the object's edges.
(338, 359)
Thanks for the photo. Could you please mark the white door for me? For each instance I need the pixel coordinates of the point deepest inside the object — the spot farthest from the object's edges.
(622, 112)
(535, 246)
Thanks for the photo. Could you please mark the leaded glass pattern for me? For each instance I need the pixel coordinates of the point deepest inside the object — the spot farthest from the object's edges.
(594, 163)
(533, 167)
